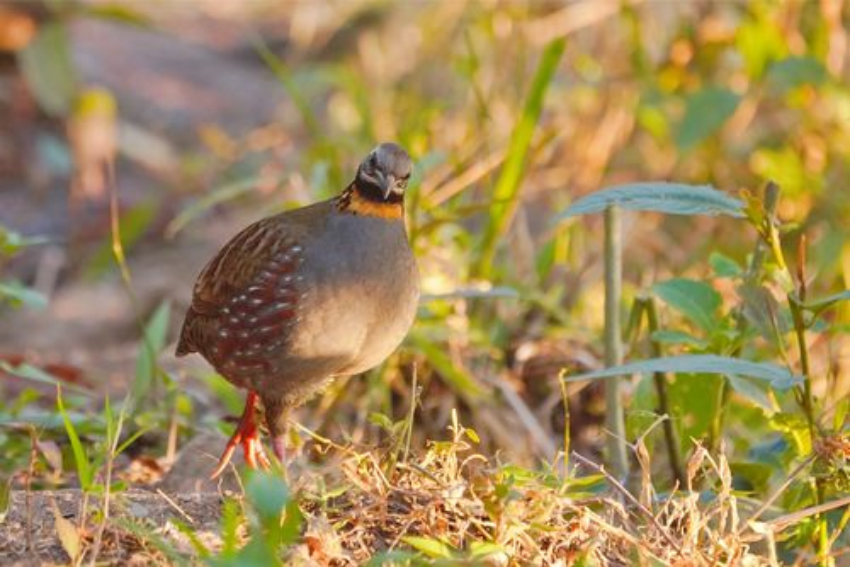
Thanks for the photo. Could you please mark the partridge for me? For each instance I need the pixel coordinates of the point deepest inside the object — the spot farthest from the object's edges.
(306, 296)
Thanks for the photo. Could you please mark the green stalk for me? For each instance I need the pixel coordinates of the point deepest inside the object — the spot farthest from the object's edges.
(752, 277)
(796, 300)
(566, 432)
(672, 440)
(506, 193)
(808, 406)
(616, 441)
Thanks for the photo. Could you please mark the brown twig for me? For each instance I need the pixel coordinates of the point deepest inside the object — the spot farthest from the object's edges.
(628, 495)
(777, 493)
(797, 516)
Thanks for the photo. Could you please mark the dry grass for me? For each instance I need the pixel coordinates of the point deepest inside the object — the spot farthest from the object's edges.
(481, 509)
(448, 505)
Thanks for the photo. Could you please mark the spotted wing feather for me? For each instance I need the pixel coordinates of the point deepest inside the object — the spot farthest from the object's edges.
(245, 302)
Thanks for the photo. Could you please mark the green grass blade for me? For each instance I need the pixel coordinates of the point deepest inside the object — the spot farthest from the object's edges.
(81, 459)
(288, 82)
(153, 342)
(457, 378)
(506, 193)
(196, 209)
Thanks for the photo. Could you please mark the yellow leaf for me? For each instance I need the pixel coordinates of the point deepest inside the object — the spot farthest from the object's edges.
(69, 537)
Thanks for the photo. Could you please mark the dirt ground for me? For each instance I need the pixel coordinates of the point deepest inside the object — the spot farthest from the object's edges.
(33, 539)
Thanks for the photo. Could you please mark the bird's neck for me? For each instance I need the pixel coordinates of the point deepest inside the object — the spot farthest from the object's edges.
(364, 201)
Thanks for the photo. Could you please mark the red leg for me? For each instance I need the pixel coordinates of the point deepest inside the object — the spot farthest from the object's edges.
(245, 435)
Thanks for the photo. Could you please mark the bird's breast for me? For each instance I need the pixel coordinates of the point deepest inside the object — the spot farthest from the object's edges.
(360, 293)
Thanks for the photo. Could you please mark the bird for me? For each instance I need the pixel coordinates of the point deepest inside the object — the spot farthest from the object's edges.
(306, 296)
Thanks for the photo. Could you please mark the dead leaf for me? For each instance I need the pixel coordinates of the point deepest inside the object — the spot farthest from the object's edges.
(69, 537)
(51, 453)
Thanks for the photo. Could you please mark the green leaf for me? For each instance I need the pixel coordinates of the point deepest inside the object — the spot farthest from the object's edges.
(291, 528)
(760, 41)
(381, 420)
(18, 294)
(36, 374)
(585, 486)
(49, 71)
(795, 426)
(150, 536)
(484, 549)
(672, 337)
(757, 475)
(506, 192)
(761, 310)
(153, 342)
(696, 300)
(199, 546)
(230, 522)
(795, 71)
(752, 390)
(81, 459)
(268, 495)
(215, 197)
(780, 378)
(430, 547)
(456, 377)
(694, 401)
(819, 305)
(724, 267)
(658, 196)
(12, 242)
(706, 112)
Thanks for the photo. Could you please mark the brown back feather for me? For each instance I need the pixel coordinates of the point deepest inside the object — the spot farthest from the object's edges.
(255, 268)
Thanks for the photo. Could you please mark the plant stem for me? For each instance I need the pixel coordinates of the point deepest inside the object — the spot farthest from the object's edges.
(566, 433)
(752, 277)
(507, 191)
(796, 299)
(672, 440)
(808, 406)
(616, 441)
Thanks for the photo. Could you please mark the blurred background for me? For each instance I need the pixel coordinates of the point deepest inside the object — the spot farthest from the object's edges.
(217, 113)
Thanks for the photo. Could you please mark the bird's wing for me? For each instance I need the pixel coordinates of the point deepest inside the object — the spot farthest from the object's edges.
(250, 283)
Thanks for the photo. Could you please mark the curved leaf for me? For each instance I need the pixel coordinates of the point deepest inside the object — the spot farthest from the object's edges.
(48, 68)
(780, 378)
(706, 112)
(696, 300)
(659, 196)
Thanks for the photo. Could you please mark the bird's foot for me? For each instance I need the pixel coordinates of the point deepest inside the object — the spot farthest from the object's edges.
(246, 434)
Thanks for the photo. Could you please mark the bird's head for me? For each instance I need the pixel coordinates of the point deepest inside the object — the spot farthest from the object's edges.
(383, 175)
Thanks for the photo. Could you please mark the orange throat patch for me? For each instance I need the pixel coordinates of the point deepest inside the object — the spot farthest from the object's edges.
(352, 201)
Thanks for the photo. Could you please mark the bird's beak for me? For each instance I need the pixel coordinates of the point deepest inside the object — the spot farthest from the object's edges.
(388, 182)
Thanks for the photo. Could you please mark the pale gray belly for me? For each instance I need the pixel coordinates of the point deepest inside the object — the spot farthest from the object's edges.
(359, 298)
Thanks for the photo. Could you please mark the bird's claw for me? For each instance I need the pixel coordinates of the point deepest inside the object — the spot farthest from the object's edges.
(245, 435)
